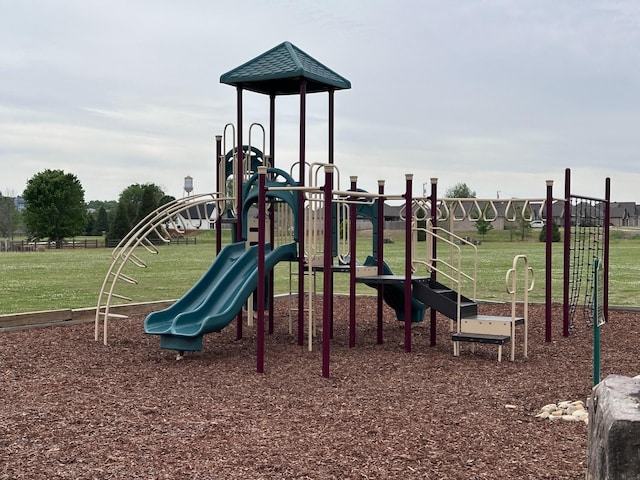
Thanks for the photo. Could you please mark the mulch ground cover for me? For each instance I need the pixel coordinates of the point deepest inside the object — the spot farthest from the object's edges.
(73, 408)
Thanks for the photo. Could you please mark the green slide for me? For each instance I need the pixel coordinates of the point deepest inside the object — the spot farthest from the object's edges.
(216, 299)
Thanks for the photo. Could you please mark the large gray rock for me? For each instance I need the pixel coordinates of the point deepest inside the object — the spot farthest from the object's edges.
(614, 430)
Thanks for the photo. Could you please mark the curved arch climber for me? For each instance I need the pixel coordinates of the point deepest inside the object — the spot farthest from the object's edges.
(275, 178)
(155, 225)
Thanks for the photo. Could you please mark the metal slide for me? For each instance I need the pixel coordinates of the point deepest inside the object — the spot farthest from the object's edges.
(215, 300)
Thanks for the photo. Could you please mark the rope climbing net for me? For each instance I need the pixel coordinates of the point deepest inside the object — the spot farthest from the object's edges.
(587, 243)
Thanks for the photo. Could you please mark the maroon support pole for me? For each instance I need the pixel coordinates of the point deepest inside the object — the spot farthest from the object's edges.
(301, 206)
(548, 261)
(567, 253)
(262, 171)
(607, 224)
(352, 265)
(220, 181)
(380, 258)
(434, 223)
(239, 176)
(328, 259)
(331, 142)
(271, 163)
(407, 265)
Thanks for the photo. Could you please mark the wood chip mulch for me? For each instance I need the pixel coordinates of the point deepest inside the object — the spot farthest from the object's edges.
(71, 408)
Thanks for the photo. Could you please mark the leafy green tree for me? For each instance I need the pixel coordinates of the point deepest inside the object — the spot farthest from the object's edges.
(459, 190)
(135, 203)
(140, 200)
(555, 233)
(518, 225)
(9, 217)
(102, 221)
(121, 223)
(54, 206)
(91, 224)
(483, 226)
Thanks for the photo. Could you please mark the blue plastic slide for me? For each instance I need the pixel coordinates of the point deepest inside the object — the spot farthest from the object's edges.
(216, 299)
(393, 295)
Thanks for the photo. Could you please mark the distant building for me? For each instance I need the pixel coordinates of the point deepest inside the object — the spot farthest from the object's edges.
(19, 203)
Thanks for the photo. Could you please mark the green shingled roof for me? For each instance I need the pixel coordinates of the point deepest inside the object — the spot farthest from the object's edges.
(280, 70)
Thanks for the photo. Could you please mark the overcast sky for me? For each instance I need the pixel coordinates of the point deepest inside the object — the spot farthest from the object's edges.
(499, 94)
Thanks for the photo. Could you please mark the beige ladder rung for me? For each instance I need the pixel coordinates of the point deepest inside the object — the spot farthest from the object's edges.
(121, 297)
(149, 247)
(126, 278)
(137, 261)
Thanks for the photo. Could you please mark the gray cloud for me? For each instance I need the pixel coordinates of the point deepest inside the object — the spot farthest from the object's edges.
(499, 94)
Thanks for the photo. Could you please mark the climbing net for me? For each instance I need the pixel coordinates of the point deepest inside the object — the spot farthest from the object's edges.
(587, 236)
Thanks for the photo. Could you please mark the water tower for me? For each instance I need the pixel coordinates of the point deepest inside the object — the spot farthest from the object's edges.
(188, 184)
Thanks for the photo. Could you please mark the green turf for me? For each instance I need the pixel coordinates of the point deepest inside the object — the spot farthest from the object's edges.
(54, 279)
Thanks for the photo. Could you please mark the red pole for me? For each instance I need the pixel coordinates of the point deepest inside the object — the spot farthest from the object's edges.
(271, 163)
(219, 188)
(328, 259)
(262, 171)
(407, 265)
(352, 266)
(301, 225)
(548, 261)
(380, 257)
(567, 254)
(434, 223)
(240, 175)
(330, 140)
(607, 223)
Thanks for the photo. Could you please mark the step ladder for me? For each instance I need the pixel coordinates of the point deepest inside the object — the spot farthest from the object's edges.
(470, 327)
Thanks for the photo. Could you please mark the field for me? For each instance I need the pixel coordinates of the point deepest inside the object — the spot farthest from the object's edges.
(56, 279)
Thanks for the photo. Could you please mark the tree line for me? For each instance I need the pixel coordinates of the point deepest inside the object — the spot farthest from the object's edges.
(55, 209)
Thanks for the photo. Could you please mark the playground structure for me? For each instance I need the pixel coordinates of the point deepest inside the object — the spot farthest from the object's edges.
(309, 223)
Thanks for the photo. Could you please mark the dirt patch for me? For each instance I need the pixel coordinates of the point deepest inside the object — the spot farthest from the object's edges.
(73, 408)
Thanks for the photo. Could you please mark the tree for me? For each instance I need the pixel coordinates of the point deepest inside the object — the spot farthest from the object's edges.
(459, 190)
(483, 226)
(135, 203)
(518, 224)
(121, 223)
(55, 206)
(140, 200)
(9, 217)
(102, 221)
(91, 224)
(555, 233)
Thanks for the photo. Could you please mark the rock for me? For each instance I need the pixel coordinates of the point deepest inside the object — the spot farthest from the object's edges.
(510, 407)
(614, 429)
(580, 415)
(569, 418)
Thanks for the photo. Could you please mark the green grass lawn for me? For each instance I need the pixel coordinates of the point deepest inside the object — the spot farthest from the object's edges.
(56, 279)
